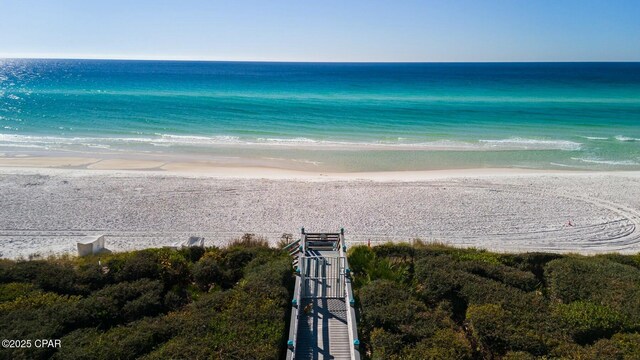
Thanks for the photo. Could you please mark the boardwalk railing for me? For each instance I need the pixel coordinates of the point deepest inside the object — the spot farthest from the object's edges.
(351, 311)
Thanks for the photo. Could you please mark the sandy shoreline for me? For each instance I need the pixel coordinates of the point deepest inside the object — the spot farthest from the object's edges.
(29, 164)
(49, 203)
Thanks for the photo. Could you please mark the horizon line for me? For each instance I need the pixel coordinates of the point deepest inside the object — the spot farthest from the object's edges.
(168, 59)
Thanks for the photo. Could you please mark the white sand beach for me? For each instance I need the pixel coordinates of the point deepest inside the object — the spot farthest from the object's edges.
(47, 204)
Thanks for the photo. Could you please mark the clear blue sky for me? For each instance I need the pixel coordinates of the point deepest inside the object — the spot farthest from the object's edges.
(323, 30)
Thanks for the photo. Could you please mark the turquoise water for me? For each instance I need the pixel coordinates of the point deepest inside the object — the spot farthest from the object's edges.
(339, 117)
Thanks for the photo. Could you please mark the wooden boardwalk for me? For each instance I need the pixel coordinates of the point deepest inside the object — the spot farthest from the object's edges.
(323, 323)
(323, 333)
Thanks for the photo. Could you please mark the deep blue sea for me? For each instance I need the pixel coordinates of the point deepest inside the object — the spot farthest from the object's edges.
(327, 116)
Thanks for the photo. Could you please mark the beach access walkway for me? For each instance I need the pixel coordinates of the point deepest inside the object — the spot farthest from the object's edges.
(323, 319)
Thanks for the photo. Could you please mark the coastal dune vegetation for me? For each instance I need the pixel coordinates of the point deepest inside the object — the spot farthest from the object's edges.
(194, 303)
(414, 301)
(429, 301)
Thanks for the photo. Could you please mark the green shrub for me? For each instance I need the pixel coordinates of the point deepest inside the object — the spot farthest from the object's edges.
(175, 298)
(272, 279)
(382, 293)
(622, 259)
(91, 276)
(438, 279)
(445, 344)
(121, 308)
(12, 291)
(573, 279)
(167, 265)
(388, 306)
(509, 276)
(174, 268)
(620, 346)
(489, 325)
(186, 347)
(422, 301)
(531, 262)
(514, 305)
(628, 344)
(244, 322)
(194, 253)
(478, 290)
(121, 342)
(366, 266)
(599, 281)
(402, 251)
(603, 349)
(134, 266)
(120, 303)
(475, 255)
(518, 355)
(35, 300)
(234, 261)
(37, 315)
(52, 276)
(499, 328)
(385, 344)
(588, 322)
(360, 258)
(84, 343)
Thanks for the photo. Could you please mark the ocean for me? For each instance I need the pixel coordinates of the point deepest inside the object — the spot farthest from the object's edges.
(326, 116)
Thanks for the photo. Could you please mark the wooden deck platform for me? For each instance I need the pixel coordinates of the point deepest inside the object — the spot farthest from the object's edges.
(323, 333)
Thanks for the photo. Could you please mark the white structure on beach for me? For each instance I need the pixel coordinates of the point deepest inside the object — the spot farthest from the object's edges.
(193, 241)
(91, 245)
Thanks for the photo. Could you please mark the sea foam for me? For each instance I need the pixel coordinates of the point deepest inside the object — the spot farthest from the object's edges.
(533, 144)
(607, 162)
(167, 140)
(625, 138)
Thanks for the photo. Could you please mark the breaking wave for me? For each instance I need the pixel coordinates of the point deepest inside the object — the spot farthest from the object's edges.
(168, 140)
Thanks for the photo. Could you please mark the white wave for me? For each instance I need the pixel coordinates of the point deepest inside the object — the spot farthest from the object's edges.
(533, 144)
(430, 145)
(595, 137)
(626, 138)
(298, 140)
(98, 146)
(559, 164)
(304, 141)
(91, 141)
(194, 139)
(608, 162)
(303, 161)
(190, 137)
(30, 146)
(183, 137)
(22, 138)
(168, 140)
